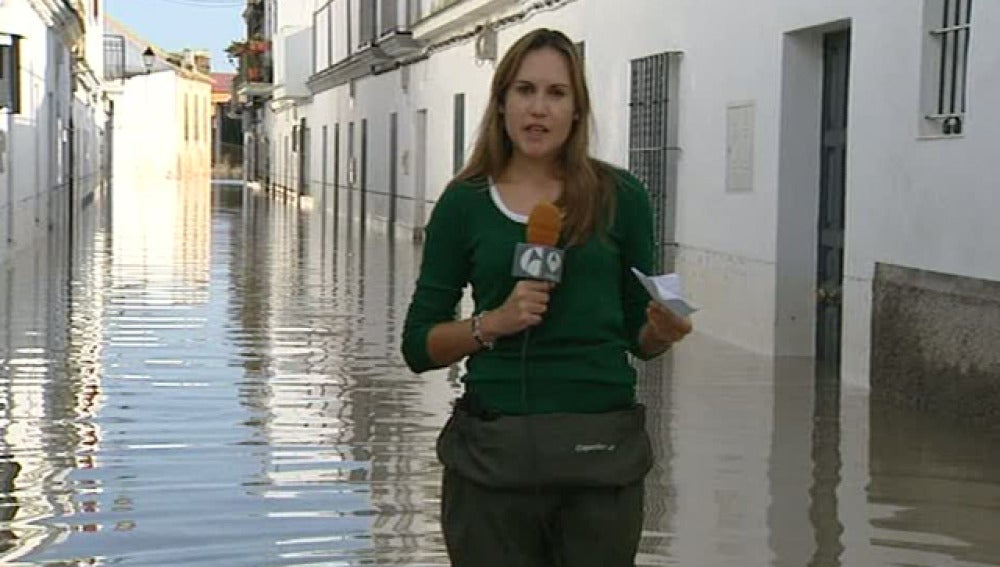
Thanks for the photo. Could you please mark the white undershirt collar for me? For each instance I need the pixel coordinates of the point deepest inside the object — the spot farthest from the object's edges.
(495, 194)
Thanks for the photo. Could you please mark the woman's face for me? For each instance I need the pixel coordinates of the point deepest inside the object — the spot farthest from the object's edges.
(539, 106)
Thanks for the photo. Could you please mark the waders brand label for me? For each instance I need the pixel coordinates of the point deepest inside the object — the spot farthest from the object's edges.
(594, 448)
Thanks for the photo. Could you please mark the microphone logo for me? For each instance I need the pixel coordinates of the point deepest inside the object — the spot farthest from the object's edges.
(532, 261)
(538, 262)
(554, 262)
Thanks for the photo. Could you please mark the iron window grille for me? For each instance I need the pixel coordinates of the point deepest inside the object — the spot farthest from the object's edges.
(652, 146)
(390, 16)
(952, 37)
(114, 57)
(10, 75)
(413, 11)
(367, 23)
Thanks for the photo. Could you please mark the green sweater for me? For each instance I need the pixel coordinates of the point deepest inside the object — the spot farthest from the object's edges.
(577, 357)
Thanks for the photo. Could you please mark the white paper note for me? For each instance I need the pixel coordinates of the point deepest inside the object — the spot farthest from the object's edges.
(667, 291)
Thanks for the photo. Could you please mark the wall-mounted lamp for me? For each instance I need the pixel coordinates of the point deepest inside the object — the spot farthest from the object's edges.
(148, 58)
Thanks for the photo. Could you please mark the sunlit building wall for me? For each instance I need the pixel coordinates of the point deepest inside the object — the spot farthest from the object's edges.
(53, 118)
(162, 119)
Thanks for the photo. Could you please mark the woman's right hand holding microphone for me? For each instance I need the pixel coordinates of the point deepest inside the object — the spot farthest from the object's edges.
(523, 308)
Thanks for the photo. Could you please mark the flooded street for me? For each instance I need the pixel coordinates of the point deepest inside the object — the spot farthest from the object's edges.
(214, 378)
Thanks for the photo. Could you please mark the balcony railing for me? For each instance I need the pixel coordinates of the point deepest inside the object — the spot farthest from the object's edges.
(382, 31)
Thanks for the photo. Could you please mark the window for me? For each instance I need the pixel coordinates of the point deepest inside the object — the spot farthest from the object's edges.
(114, 57)
(273, 12)
(367, 23)
(390, 16)
(10, 76)
(459, 133)
(946, 46)
(323, 20)
(653, 143)
(413, 14)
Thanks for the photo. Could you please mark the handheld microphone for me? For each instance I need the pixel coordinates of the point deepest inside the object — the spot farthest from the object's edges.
(538, 258)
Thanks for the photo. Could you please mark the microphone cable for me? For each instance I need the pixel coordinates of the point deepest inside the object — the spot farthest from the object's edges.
(547, 532)
(529, 439)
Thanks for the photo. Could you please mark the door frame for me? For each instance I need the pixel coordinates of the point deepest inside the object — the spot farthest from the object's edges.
(832, 196)
(799, 170)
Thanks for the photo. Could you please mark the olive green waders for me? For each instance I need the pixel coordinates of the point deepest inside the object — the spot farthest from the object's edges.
(552, 490)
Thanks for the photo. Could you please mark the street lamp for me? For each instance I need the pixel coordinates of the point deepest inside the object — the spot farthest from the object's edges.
(148, 58)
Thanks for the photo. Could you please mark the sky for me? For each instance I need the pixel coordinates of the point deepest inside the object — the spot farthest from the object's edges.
(175, 24)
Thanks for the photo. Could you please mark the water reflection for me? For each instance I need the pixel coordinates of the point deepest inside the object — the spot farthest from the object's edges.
(215, 379)
(825, 453)
(333, 387)
(934, 490)
(771, 463)
(655, 388)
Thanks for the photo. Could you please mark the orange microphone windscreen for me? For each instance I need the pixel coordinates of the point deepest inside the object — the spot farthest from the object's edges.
(544, 224)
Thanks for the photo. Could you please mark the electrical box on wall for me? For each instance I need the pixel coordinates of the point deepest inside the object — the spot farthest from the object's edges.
(739, 146)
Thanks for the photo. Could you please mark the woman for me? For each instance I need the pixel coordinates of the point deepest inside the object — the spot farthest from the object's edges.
(545, 453)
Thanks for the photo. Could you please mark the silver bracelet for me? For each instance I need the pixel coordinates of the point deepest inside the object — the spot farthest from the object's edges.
(477, 332)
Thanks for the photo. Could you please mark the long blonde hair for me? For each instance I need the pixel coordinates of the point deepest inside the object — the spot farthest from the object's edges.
(588, 190)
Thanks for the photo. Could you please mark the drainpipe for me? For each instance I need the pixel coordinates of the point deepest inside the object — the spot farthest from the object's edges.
(71, 188)
(9, 164)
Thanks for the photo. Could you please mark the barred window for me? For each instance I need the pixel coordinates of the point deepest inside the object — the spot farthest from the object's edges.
(10, 86)
(390, 16)
(652, 155)
(413, 11)
(367, 23)
(946, 48)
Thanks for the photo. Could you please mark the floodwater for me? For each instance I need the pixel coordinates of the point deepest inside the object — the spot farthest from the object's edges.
(214, 378)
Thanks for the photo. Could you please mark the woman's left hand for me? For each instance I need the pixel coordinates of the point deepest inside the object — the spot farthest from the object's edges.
(665, 325)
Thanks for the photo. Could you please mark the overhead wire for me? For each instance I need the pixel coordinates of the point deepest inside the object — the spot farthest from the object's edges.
(207, 3)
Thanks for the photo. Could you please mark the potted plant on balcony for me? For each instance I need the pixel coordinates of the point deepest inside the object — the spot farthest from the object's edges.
(258, 44)
(236, 48)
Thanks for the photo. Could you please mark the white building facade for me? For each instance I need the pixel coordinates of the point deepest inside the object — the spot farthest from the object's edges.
(162, 113)
(790, 146)
(53, 117)
(53, 161)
